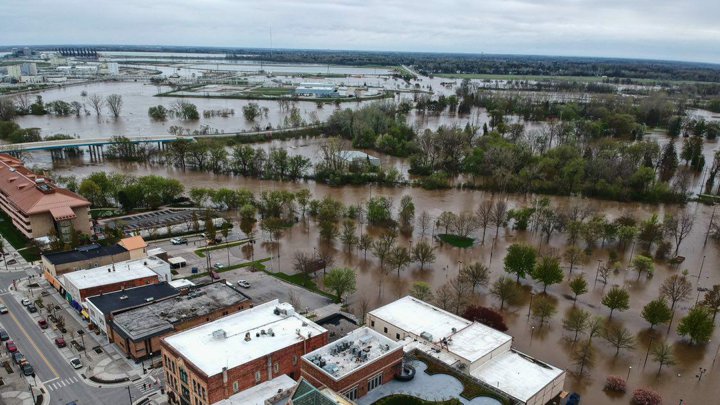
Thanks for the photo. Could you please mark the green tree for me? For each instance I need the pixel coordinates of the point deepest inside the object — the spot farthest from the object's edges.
(662, 354)
(573, 255)
(399, 258)
(422, 291)
(423, 253)
(711, 300)
(657, 312)
(616, 299)
(406, 214)
(576, 321)
(364, 243)
(347, 235)
(520, 260)
(697, 325)
(543, 308)
(341, 280)
(506, 290)
(548, 271)
(668, 162)
(379, 211)
(382, 247)
(579, 286)
(643, 264)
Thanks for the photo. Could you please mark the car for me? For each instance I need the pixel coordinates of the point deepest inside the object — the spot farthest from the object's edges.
(3, 309)
(243, 284)
(18, 358)
(179, 241)
(574, 399)
(60, 342)
(76, 363)
(218, 266)
(10, 346)
(11, 261)
(25, 302)
(31, 308)
(42, 324)
(4, 335)
(28, 370)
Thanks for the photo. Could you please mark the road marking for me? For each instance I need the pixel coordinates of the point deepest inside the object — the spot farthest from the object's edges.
(49, 381)
(32, 342)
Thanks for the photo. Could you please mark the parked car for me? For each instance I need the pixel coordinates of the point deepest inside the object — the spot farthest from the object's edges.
(10, 346)
(179, 241)
(76, 363)
(32, 308)
(60, 342)
(11, 261)
(18, 358)
(243, 284)
(27, 369)
(3, 309)
(25, 302)
(218, 266)
(574, 399)
(4, 335)
(42, 324)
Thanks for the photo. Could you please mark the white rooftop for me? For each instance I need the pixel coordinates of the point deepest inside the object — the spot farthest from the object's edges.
(415, 316)
(476, 340)
(110, 274)
(181, 283)
(356, 154)
(258, 394)
(356, 350)
(517, 374)
(222, 343)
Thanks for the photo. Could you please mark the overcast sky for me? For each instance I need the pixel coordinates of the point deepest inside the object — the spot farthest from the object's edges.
(662, 29)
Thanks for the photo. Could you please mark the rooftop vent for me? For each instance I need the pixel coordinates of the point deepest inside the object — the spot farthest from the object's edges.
(247, 337)
(219, 334)
(12, 169)
(149, 299)
(123, 297)
(40, 180)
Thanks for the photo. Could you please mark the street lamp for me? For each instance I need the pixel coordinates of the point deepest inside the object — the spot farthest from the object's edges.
(701, 371)
(701, 268)
(597, 272)
(530, 306)
(648, 352)
(532, 332)
(628, 375)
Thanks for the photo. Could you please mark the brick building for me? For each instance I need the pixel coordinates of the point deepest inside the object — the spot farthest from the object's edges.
(216, 360)
(137, 331)
(37, 207)
(354, 365)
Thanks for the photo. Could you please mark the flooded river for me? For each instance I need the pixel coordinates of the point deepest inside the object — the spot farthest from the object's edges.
(548, 342)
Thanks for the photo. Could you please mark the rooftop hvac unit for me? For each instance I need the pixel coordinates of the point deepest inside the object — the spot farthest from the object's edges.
(219, 334)
(123, 297)
(270, 332)
(149, 299)
(427, 336)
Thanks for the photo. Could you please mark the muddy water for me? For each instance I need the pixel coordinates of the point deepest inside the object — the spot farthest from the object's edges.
(548, 342)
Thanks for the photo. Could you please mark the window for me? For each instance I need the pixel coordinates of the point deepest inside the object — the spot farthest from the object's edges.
(295, 360)
(352, 393)
(258, 376)
(397, 336)
(183, 375)
(372, 323)
(375, 382)
(277, 367)
(236, 386)
(185, 392)
(385, 328)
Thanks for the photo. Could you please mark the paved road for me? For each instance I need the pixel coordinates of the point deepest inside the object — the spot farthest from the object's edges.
(62, 382)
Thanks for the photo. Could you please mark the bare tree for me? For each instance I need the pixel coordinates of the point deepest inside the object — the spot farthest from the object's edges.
(424, 222)
(619, 337)
(583, 356)
(476, 274)
(444, 296)
(679, 228)
(97, 103)
(676, 288)
(114, 102)
(498, 216)
(484, 216)
(294, 299)
(464, 223)
(461, 290)
(303, 263)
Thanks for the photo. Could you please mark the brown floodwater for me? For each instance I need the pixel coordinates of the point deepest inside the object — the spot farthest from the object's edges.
(548, 342)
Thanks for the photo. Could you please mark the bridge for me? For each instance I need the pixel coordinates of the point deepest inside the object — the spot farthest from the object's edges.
(87, 142)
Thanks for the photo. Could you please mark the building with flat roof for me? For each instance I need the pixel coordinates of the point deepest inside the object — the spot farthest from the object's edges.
(101, 307)
(216, 360)
(319, 90)
(261, 394)
(476, 349)
(78, 285)
(357, 157)
(37, 207)
(137, 331)
(354, 365)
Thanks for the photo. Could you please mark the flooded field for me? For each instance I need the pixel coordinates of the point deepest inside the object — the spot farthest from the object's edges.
(547, 342)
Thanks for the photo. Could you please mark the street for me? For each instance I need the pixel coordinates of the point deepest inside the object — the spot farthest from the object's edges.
(61, 381)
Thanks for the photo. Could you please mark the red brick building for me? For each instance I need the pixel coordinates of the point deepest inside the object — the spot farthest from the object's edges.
(354, 365)
(216, 360)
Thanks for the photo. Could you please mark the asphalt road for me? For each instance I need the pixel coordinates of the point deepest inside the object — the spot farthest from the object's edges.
(62, 382)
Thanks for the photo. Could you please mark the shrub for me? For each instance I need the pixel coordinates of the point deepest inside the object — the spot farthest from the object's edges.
(615, 384)
(486, 316)
(646, 396)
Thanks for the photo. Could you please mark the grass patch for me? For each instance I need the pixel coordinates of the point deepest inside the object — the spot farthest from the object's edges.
(257, 264)
(301, 280)
(201, 252)
(457, 240)
(409, 400)
(22, 244)
(471, 389)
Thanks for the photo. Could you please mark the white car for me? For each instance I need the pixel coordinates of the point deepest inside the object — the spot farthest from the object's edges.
(243, 284)
(25, 301)
(76, 363)
(3, 309)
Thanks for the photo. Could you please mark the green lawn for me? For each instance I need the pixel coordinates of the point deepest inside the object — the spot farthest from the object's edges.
(302, 280)
(257, 263)
(201, 252)
(408, 400)
(456, 240)
(17, 239)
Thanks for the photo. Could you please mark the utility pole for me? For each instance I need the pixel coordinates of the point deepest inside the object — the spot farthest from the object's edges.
(129, 394)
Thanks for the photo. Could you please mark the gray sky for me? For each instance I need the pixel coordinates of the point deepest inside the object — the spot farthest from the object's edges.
(663, 29)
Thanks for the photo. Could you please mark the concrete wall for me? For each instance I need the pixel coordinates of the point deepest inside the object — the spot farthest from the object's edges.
(387, 329)
(389, 365)
(549, 392)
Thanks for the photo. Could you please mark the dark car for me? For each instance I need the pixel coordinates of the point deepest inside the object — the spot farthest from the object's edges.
(42, 324)
(573, 399)
(27, 369)
(3, 335)
(60, 342)
(32, 308)
(18, 358)
(10, 346)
